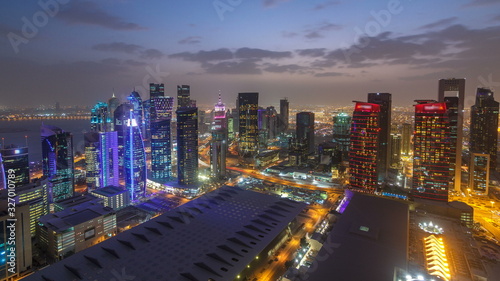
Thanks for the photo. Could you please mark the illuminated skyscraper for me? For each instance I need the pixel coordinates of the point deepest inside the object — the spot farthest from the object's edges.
(100, 119)
(134, 159)
(156, 90)
(384, 146)
(284, 115)
(406, 139)
(431, 152)
(136, 101)
(187, 145)
(16, 158)
(248, 126)
(218, 144)
(3, 178)
(101, 158)
(113, 103)
(131, 153)
(479, 173)
(183, 96)
(305, 131)
(484, 125)
(365, 131)
(57, 161)
(160, 126)
(342, 132)
(452, 92)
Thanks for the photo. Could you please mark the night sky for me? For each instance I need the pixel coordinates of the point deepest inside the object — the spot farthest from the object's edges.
(313, 52)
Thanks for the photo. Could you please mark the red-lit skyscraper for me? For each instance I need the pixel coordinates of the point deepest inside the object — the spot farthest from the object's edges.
(431, 152)
(365, 129)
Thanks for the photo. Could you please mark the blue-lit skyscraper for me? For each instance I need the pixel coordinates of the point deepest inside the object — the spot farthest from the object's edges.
(132, 156)
(113, 103)
(342, 132)
(16, 158)
(101, 157)
(136, 101)
(160, 127)
(100, 118)
(57, 161)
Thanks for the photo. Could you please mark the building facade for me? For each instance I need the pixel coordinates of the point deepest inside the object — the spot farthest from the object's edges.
(248, 126)
(219, 142)
(187, 145)
(16, 158)
(384, 146)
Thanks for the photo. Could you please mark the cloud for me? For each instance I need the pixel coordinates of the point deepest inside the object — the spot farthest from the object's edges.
(205, 56)
(272, 3)
(129, 49)
(233, 67)
(318, 52)
(88, 13)
(439, 23)
(288, 34)
(118, 47)
(318, 30)
(477, 3)
(190, 40)
(250, 53)
(496, 18)
(287, 68)
(329, 74)
(325, 5)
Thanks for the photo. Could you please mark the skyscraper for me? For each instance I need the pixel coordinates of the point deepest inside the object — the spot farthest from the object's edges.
(57, 161)
(160, 126)
(284, 115)
(384, 150)
(431, 152)
(101, 158)
(134, 158)
(16, 158)
(341, 132)
(218, 144)
(131, 153)
(248, 126)
(183, 96)
(156, 90)
(100, 118)
(365, 131)
(113, 103)
(484, 125)
(187, 145)
(479, 173)
(406, 139)
(452, 92)
(305, 130)
(136, 101)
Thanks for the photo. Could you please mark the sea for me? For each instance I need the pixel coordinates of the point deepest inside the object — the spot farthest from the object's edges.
(28, 132)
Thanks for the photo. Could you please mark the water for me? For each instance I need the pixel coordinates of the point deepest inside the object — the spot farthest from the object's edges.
(15, 132)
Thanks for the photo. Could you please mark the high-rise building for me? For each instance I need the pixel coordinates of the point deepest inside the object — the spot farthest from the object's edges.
(484, 125)
(136, 101)
(342, 132)
(3, 175)
(100, 118)
(284, 115)
(113, 103)
(16, 158)
(160, 126)
(101, 159)
(406, 139)
(187, 145)
(248, 126)
(134, 158)
(365, 131)
(57, 161)
(183, 96)
(271, 122)
(452, 92)
(121, 116)
(156, 90)
(305, 130)
(396, 140)
(384, 150)
(431, 152)
(479, 173)
(218, 144)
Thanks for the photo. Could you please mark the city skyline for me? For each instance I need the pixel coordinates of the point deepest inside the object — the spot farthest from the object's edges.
(314, 52)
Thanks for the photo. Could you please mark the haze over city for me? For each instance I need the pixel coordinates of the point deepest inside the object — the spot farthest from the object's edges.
(315, 52)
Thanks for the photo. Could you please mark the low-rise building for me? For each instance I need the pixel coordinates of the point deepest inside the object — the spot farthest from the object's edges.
(113, 196)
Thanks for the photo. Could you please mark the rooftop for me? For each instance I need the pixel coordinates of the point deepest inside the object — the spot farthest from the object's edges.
(214, 236)
(71, 217)
(367, 243)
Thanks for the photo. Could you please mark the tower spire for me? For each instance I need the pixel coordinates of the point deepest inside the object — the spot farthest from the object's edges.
(113, 93)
